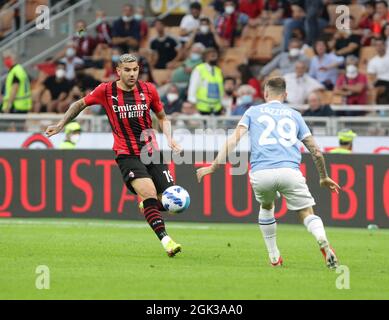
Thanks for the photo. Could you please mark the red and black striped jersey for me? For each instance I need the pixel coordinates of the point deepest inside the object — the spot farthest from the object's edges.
(129, 115)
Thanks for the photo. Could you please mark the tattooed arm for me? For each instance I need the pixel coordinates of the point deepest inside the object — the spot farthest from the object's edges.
(73, 111)
(318, 159)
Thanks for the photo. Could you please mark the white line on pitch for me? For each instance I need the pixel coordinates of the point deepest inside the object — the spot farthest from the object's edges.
(95, 224)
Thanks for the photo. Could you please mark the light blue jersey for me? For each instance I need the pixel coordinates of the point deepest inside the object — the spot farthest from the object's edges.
(275, 130)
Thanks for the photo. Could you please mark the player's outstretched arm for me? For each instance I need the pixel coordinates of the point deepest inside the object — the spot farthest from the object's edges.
(227, 148)
(166, 127)
(318, 159)
(73, 111)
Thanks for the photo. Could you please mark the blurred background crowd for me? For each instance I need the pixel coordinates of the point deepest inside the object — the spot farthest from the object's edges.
(232, 46)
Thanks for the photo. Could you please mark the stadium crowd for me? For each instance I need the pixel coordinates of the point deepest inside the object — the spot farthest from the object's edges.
(232, 46)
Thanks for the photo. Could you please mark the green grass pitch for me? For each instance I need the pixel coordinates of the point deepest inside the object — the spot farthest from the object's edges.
(123, 260)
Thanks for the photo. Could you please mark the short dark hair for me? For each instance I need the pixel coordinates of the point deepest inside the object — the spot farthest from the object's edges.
(276, 85)
(195, 5)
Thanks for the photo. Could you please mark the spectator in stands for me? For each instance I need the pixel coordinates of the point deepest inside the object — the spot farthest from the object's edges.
(103, 29)
(245, 100)
(316, 108)
(247, 77)
(300, 84)
(71, 62)
(110, 66)
(58, 90)
(84, 43)
(166, 48)
(17, 90)
(378, 70)
(286, 61)
(324, 66)
(126, 31)
(253, 9)
(218, 5)
(190, 22)
(366, 23)
(344, 42)
(385, 35)
(72, 132)
(188, 109)
(229, 98)
(352, 86)
(205, 35)
(172, 101)
(206, 87)
(275, 11)
(346, 138)
(181, 75)
(140, 16)
(306, 16)
(381, 17)
(230, 24)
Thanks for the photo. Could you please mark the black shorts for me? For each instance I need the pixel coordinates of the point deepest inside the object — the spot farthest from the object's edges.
(132, 168)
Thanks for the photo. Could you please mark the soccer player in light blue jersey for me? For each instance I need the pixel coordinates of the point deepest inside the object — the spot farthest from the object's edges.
(275, 130)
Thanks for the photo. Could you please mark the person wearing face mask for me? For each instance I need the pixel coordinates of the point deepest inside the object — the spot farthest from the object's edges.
(230, 24)
(140, 17)
(56, 91)
(103, 29)
(245, 100)
(206, 85)
(126, 31)
(84, 43)
(172, 101)
(352, 87)
(206, 35)
(73, 133)
(181, 75)
(110, 65)
(285, 61)
(17, 94)
(71, 62)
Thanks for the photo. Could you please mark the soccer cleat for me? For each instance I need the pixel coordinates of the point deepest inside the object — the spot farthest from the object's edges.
(172, 248)
(328, 254)
(277, 263)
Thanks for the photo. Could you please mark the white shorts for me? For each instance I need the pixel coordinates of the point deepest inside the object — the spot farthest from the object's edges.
(289, 182)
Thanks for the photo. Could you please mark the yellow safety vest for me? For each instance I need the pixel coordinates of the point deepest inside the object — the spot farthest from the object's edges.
(23, 100)
(210, 93)
(340, 151)
(67, 145)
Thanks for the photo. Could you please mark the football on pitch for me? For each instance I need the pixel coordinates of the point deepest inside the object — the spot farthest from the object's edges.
(175, 199)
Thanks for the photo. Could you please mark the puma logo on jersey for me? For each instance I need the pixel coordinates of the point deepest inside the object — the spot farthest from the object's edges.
(142, 96)
(115, 97)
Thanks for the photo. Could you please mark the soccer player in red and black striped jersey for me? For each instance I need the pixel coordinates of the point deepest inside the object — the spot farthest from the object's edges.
(127, 103)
